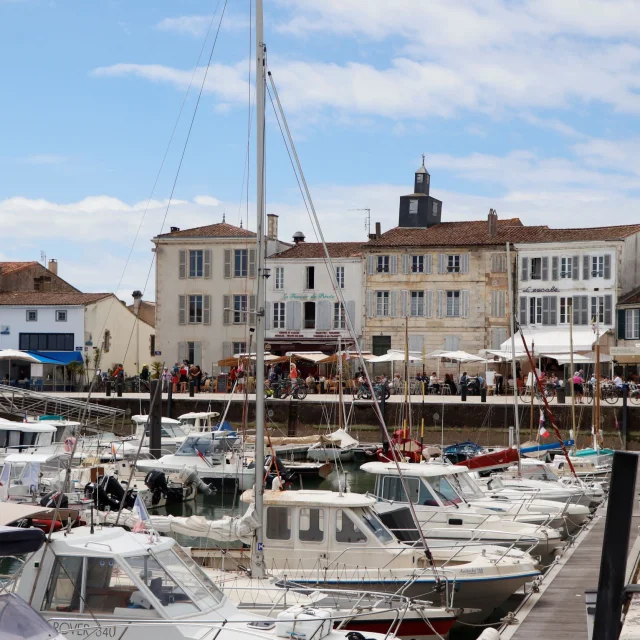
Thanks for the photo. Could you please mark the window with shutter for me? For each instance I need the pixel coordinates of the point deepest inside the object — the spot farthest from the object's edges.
(196, 263)
(339, 319)
(428, 304)
(524, 269)
(182, 270)
(340, 277)
(206, 310)
(227, 263)
(279, 279)
(417, 303)
(440, 304)
(464, 263)
(453, 304)
(523, 310)
(586, 267)
(442, 267)
(226, 309)
(632, 324)
(607, 267)
(453, 263)
(498, 336)
(428, 263)
(382, 303)
(240, 259)
(404, 295)
(545, 268)
(196, 304)
(207, 263)
(393, 265)
(416, 343)
(182, 309)
(278, 315)
(252, 263)
(553, 310)
(452, 343)
(499, 263)
(252, 311)
(555, 268)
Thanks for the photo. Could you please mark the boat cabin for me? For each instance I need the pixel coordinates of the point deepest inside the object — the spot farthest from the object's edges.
(16, 437)
(114, 573)
(199, 421)
(169, 428)
(23, 474)
(307, 529)
(432, 484)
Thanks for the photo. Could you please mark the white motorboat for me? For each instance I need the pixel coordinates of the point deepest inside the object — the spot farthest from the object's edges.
(122, 585)
(172, 433)
(18, 437)
(210, 457)
(446, 515)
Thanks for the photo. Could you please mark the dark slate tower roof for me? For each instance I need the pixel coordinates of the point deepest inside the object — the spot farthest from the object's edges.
(419, 209)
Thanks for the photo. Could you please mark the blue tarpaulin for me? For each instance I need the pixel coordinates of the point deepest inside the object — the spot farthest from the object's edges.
(57, 357)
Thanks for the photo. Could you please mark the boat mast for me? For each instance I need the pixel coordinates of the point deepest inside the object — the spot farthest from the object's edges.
(257, 568)
(596, 399)
(340, 400)
(514, 369)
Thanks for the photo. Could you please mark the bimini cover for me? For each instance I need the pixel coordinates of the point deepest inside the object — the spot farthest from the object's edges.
(341, 439)
(18, 621)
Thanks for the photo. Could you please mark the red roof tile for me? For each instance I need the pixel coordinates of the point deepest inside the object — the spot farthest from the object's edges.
(218, 230)
(476, 233)
(49, 298)
(12, 267)
(631, 298)
(315, 250)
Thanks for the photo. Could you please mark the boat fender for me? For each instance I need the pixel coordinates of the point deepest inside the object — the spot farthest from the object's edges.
(356, 635)
(489, 634)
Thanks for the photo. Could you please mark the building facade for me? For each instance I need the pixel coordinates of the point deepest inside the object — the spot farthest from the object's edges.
(33, 276)
(589, 269)
(626, 353)
(205, 291)
(303, 311)
(443, 283)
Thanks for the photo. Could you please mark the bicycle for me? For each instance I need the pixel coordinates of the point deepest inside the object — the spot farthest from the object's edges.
(634, 393)
(548, 391)
(284, 388)
(364, 393)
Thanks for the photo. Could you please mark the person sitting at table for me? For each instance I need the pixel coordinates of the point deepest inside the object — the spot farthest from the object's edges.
(433, 383)
(449, 382)
(397, 383)
(311, 383)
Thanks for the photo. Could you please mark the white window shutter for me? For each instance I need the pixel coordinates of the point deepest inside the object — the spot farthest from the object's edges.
(393, 304)
(290, 314)
(523, 310)
(545, 268)
(182, 271)
(226, 309)
(440, 304)
(464, 263)
(575, 268)
(207, 263)
(404, 303)
(206, 309)
(405, 263)
(555, 267)
(442, 263)
(371, 265)
(267, 315)
(586, 267)
(351, 312)
(323, 315)
(393, 264)
(524, 269)
(494, 304)
(502, 305)
(227, 263)
(416, 343)
(608, 310)
(553, 310)
(428, 303)
(607, 266)
(252, 263)
(370, 301)
(252, 311)
(182, 351)
(182, 309)
(427, 263)
(197, 353)
(464, 302)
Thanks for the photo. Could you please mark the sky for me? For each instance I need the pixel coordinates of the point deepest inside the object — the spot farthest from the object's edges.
(526, 106)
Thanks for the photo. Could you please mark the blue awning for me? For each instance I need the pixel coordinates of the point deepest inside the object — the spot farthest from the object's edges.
(57, 357)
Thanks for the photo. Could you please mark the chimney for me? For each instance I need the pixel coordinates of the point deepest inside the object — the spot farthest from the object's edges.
(53, 266)
(174, 229)
(272, 226)
(492, 223)
(298, 237)
(137, 299)
(378, 230)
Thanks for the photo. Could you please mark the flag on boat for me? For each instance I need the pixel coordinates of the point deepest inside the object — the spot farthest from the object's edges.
(615, 421)
(543, 429)
(140, 510)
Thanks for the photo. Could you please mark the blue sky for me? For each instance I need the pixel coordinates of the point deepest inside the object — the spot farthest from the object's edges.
(530, 107)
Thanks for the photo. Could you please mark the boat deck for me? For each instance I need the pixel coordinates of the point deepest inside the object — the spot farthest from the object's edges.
(558, 612)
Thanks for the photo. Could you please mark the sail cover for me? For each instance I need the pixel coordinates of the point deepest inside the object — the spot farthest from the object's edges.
(227, 529)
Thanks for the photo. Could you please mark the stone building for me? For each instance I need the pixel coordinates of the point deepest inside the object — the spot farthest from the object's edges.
(205, 291)
(32, 276)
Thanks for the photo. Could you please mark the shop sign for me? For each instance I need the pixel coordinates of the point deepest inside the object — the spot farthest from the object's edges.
(540, 290)
(625, 351)
(308, 296)
(289, 334)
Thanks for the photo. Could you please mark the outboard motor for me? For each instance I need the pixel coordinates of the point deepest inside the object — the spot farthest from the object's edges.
(278, 466)
(190, 476)
(107, 493)
(51, 500)
(156, 482)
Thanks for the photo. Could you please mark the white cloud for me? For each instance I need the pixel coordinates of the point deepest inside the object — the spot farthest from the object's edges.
(207, 201)
(190, 25)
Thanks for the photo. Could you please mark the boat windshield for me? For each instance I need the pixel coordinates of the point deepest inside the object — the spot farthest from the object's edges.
(195, 445)
(539, 472)
(375, 526)
(168, 431)
(442, 488)
(188, 422)
(466, 487)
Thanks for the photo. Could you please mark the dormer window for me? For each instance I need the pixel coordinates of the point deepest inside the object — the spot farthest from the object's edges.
(413, 205)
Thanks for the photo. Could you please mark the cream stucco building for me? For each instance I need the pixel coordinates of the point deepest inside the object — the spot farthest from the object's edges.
(205, 291)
